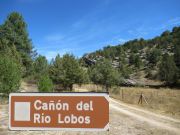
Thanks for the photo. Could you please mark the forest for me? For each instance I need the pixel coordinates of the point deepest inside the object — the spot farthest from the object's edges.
(157, 58)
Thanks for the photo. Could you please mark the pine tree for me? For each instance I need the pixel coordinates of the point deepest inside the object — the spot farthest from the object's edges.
(154, 56)
(40, 66)
(67, 71)
(10, 75)
(104, 74)
(168, 69)
(45, 84)
(14, 31)
(137, 62)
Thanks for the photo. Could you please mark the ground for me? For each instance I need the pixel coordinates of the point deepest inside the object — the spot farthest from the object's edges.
(124, 119)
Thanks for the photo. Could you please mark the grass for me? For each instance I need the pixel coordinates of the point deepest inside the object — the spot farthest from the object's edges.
(3, 100)
(163, 100)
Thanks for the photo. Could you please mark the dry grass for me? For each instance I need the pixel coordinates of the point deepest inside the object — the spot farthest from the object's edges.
(164, 100)
(89, 87)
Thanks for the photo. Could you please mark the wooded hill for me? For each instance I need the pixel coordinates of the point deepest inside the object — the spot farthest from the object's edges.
(143, 62)
(136, 62)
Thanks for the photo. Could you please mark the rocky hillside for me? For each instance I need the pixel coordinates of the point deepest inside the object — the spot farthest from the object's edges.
(139, 60)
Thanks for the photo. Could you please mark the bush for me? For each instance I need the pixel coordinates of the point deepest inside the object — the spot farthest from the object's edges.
(40, 66)
(168, 71)
(154, 56)
(10, 75)
(45, 84)
(67, 71)
(104, 74)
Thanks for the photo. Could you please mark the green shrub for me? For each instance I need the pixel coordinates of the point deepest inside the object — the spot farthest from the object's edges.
(10, 75)
(104, 74)
(67, 71)
(168, 71)
(45, 84)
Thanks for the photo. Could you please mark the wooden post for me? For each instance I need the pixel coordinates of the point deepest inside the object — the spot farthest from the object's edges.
(122, 94)
(141, 98)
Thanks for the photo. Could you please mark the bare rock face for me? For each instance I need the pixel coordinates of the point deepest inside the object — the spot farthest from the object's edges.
(129, 82)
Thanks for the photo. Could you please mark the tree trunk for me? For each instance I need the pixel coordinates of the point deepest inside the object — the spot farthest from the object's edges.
(71, 87)
(107, 88)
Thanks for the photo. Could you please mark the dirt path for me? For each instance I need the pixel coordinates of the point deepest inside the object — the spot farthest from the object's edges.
(158, 122)
(25, 87)
(124, 119)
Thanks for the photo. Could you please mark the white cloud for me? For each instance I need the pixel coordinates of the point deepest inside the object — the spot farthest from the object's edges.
(52, 54)
(121, 40)
(142, 30)
(171, 22)
(139, 32)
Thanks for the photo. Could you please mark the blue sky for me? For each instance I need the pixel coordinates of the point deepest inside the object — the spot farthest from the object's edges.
(82, 26)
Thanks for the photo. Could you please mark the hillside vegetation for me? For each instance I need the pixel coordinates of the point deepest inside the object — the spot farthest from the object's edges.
(136, 62)
(143, 62)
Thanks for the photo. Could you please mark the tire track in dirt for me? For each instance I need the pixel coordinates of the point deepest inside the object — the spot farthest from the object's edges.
(163, 122)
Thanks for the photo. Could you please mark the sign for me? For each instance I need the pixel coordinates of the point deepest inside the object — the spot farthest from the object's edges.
(59, 111)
